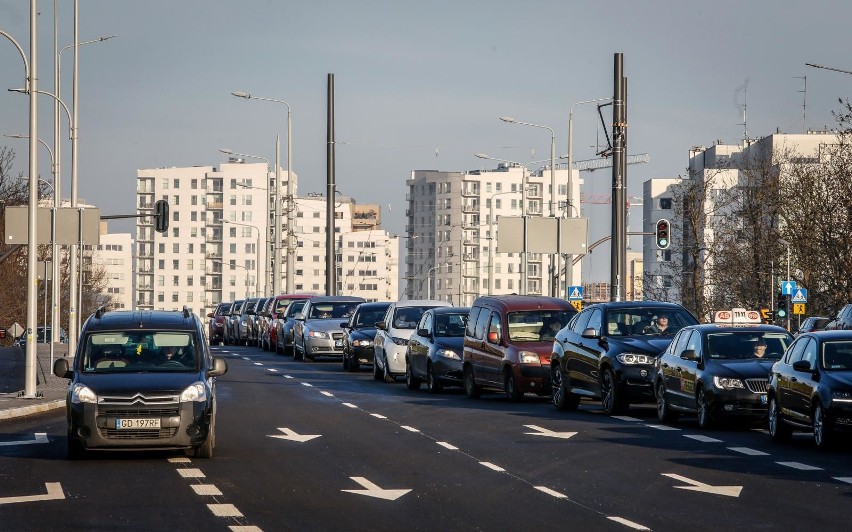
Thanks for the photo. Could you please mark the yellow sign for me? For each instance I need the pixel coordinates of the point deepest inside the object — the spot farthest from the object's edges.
(798, 308)
(578, 304)
(764, 313)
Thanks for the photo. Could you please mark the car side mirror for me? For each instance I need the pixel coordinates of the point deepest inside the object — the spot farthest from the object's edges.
(209, 314)
(589, 332)
(493, 337)
(220, 367)
(381, 325)
(60, 369)
(423, 332)
(689, 354)
(802, 365)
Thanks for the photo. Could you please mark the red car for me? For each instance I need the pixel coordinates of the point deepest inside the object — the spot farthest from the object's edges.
(216, 325)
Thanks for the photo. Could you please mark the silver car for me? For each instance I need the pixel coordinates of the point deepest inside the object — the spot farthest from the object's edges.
(317, 330)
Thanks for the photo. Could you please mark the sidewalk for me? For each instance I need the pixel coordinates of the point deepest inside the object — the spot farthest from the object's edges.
(50, 390)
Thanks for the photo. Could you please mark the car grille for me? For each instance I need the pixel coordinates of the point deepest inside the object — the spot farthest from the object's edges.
(139, 412)
(757, 385)
(337, 336)
(141, 434)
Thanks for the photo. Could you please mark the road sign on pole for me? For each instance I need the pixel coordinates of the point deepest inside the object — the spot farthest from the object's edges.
(798, 308)
(575, 293)
(800, 295)
(788, 287)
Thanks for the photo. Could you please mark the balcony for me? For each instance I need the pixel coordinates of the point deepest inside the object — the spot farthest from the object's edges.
(470, 209)
(470, 192)
(215, 205)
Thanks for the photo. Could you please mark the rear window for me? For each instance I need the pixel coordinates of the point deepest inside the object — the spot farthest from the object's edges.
(408, 317)
(536, 325)
(135, 351)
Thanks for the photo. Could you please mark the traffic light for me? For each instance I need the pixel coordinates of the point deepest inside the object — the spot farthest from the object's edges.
(768, 315)
(161, 216)
(782, 310)
(663, 234)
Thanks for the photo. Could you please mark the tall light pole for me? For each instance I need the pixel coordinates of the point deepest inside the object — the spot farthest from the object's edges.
(257, 263)
(266, 217)
(787, 245)
(290, 199)
(491, 237)
(569, 259)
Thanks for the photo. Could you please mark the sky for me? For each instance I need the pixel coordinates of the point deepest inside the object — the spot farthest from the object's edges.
(418, 85)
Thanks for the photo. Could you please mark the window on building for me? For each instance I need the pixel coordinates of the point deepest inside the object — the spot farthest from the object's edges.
(665, 203)
(164, 183)
(232, 248)
(162, 264)
(175, 265)
(161, 247)
(664, 255)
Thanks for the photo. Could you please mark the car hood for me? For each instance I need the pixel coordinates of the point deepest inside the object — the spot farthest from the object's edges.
(844, 378)
(744, 369)
(653, 345)
(363, 333)
(454, 343)
(130, 383)
(332, 324)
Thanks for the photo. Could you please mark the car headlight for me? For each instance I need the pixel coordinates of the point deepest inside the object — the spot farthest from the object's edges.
(362, 343)
(318, 334)
(81, 393)
(448, 353)
(727, 383)
(194, 392)
(843, 397)
(400, 341)
(529, 357)
(632, 359)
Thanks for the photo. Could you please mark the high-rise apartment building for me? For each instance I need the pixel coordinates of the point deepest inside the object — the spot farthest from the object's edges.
(114, 254)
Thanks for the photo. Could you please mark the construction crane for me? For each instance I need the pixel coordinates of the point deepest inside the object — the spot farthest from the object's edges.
(591, 165)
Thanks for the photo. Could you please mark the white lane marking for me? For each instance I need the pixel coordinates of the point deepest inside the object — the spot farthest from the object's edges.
(448, 446)
(747, 451)
(372, 490)
(287, 376)
(327, 394)
(625, 418)
(191, 473)
(245, 358)
(409, 429)
(206, 489)
(246, 528)
(258, 364)
(272, 370)
(541, 431)
(179, 460)
(377, 415)
(662, 427)
(800, 466)
(701, 437)
(551, 492)
(309, 385)
(40, 437)
(695, 485)
(224, 510)
(631, 524)
(54, 492)
(489, 465)
(847, 480)
(293, 435)
(350, 405)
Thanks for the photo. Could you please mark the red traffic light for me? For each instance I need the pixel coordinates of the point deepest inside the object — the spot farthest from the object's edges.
(663, 234)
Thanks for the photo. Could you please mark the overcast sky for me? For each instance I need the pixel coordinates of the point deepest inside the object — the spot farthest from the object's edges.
(419, 85)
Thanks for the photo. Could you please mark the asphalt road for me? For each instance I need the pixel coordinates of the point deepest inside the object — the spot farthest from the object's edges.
(385, 458)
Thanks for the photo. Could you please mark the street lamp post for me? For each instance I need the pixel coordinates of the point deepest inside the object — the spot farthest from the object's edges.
(257, 263)
(787, 244)
(290, 198)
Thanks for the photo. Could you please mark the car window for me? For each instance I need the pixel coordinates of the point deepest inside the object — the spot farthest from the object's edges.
(494, 326)
(837, 356)
(656, 321)
(736, 345)
(595, 321)
(408, 317)
(681, 343)
(425, 322)
(140, 351)
(471, 321)
(581, 322)
(482, 324)
(810, 353)
(332, 309)
(794, 352)
(535, 325)
(449, 325)
(694, 343)
(369, 317)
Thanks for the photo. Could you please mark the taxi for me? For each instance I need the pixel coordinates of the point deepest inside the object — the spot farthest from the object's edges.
(719, 370)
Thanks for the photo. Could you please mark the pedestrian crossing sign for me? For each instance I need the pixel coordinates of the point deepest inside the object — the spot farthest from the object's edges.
(575, 293)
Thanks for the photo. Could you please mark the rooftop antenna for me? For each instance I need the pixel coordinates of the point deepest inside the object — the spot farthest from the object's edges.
(804, 92)
(744, 90)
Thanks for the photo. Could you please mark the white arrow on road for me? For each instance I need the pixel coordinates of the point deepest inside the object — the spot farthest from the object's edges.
(293, 436)
(54, 492)
(694, 485)
(40, 437)
(371, 490)
(547, 432)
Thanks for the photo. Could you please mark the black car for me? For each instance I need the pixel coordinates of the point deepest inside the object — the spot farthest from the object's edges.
(842, 321)
(21, 341)
(813, 323)
(141, 380)
(811, 387)
(718, 371)
(435, 349)
(608, 352)
(360, 332)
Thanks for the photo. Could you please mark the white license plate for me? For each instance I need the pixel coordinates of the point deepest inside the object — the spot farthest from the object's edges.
(763, 399)
(134, 423)
(338, 343)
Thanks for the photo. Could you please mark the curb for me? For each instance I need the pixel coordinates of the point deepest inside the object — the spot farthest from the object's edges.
(32, 409)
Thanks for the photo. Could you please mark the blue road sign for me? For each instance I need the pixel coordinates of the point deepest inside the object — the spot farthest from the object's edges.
(800, 295)
(575, 293)
(788, 287)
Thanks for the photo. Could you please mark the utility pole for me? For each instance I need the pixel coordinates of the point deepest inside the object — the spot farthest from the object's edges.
(330, 270)
(618, 255)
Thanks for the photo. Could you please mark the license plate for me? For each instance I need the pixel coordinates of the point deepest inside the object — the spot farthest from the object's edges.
(153, 423)
(763, 399)
(338, 343)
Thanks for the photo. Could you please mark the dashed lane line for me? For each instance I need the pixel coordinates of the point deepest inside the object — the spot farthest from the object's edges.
(409, 429)
(309, 385)
(493, 467)
(447, 446)
(748, 451)
(800, 466)
(702, 438)
(631, 524)
(225, 510)
(847, 480)
(662, 427)
(258, 364)
(218, 508)
(627, 418)
(374, 415)
(206, 489)
(551, 492)
(190, 472)
(327, 394)
(350, 405)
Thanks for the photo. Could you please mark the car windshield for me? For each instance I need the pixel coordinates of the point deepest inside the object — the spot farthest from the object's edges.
(536, 325)
(369, 317)
(837, 356)
(336, 309)
(646, 321)
(450, 325)
(747, 345)
(295, 307)
(135, 351)
(408, 317)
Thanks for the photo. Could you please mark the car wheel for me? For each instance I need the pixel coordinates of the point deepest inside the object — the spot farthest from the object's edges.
(297, 355)
(345, 362)
(510, 385)
(471, 389)
(411, 382)
(432, 385)
(377, 375)
(562, 398)
(664, 412)
(354, 365)
(76, 451)
(778, 430)
(205, 450)
(388, 376)
(822, 427)
(611, 395)
(705, 418)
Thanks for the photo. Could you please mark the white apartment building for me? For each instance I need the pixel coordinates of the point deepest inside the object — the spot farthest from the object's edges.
(658, 197)
(115, 255)
(452, 251)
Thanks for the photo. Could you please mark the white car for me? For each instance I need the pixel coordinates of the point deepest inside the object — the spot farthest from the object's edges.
(393, 332)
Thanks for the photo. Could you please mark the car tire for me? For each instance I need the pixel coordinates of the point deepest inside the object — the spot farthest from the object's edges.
(76, 450)
(354, 365)
(345, 361)
(471, 389)
(822, 426)
(703, 409)
(205, 450)
(778, 430)
(664, 411)
(562, 398)
(510, 385)
(297, 355)
(411, 382)
(612, 397)
(377, 374)
(432, 384)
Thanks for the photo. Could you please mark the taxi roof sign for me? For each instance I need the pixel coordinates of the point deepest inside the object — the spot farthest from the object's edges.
(737, 316)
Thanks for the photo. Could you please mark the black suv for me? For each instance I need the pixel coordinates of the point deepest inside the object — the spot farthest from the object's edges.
(608, 351)
(141, 380)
